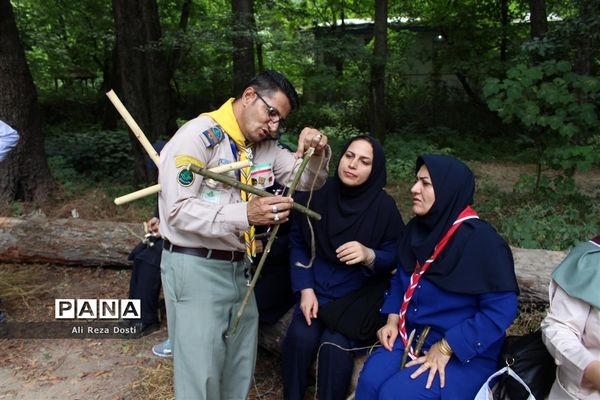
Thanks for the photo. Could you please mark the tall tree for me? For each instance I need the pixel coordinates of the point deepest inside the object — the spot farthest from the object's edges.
(24, 175)
(377, 92)
(584, 60)
(244, 28)
(537, 17)
(144, 74)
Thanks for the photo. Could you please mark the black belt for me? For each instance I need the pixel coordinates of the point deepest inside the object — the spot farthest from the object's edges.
(225, 255)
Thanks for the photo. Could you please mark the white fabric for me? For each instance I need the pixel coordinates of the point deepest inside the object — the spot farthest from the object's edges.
(485, 393)
(569, 325)
(8, 139)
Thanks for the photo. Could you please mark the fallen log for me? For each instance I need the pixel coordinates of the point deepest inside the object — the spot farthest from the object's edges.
(70, 241)
(76, 241)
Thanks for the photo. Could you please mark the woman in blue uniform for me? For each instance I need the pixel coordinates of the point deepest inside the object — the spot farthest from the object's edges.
(456, 281)
(355, 241)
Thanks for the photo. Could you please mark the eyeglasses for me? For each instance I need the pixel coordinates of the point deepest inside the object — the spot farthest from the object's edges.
(272, 112)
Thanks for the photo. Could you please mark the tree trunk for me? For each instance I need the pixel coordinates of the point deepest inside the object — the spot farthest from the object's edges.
(377, 93)
(24, 174)
(504, 23)
(110, 80)
(584, 60)
(243, 32)
(67, 241)
(177, 51)
(144, 74)
(537, 18)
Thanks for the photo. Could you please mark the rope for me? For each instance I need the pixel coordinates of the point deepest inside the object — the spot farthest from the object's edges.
(313, 245)
(370, 348)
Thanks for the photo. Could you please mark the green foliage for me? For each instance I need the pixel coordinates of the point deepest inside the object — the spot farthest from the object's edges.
(555, 218)
(556, 107)
(547, 226)
(89, 155)
(403, 148)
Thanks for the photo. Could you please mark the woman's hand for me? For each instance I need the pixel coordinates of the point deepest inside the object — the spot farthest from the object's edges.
(435, 361)
(388, 334)
(309, 305)
(354, 253)
(591, 375)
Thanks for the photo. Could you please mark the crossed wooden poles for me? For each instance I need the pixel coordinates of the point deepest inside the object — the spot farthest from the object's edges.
(215, 174)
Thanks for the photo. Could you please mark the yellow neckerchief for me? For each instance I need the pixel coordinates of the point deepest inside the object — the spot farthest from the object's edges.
(226, 119)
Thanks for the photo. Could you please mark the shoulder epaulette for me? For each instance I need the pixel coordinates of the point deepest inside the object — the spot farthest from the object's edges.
(213, 136)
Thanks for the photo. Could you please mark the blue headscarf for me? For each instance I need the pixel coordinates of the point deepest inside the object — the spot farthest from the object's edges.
(476, 260)
(365, 213)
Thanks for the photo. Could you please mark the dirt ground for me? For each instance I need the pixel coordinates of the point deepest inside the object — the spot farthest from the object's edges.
(100, 369)
(115, 369)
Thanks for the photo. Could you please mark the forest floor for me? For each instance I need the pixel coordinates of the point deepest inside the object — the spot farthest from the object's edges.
(119, 369)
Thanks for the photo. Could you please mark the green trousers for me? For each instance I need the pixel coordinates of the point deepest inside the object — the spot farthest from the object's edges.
(202, 297)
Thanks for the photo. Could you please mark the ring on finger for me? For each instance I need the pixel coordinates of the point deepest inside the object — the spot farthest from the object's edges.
(276, 217)
(274, 209)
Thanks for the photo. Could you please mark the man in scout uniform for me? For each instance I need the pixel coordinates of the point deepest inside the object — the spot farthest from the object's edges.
(208, 231)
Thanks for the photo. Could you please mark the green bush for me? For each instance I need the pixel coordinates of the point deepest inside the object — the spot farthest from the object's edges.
(91, 155)
(402, 150)
(553, 219)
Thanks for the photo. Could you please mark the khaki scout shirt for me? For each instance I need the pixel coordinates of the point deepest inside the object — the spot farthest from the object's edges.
(198, 212)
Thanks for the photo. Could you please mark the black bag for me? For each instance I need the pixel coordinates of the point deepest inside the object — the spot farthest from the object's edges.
(528, 357)
(357, 314)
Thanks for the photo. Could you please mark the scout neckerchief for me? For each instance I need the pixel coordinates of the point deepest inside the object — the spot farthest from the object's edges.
(467, 213)
(226, 119)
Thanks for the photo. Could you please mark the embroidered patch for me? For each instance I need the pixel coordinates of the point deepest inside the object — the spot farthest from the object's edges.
(183, 160)
(185, 177)
(210, 195)
(213, 135)
(262, 175)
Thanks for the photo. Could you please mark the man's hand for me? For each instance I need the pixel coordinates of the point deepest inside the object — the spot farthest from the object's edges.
(153, 224)
(269, 210)
(310, 137)
(309, 305)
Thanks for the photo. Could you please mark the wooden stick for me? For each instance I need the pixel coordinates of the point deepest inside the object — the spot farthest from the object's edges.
(250, 189)
(407, 349)
(267, 249)
(156, 188)
(135, 128)
(137, 194)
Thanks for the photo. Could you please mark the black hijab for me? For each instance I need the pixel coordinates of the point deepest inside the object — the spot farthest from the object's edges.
(365, 213)
(476, 260)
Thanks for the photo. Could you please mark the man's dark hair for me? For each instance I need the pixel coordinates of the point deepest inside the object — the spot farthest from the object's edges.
(269, 82)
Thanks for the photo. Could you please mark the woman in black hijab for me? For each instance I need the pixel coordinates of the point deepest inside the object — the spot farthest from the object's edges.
(355, 241)
(456, 281)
